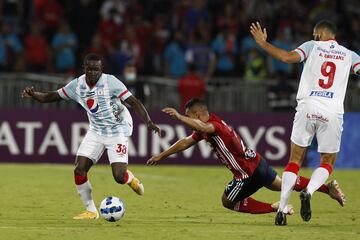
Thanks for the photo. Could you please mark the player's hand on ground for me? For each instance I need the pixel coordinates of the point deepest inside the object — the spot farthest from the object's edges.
(259, 34)
(152, 126)
(28, 92)
(172, 112)
(153, 160)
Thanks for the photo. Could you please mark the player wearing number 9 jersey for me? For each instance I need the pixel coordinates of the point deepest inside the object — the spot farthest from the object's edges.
(102, 96)
(320, 109)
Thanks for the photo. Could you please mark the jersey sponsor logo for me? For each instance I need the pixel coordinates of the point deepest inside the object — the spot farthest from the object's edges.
(317, 117)
(325, 94)
(89, 94)
(333, 51)
(92, 105)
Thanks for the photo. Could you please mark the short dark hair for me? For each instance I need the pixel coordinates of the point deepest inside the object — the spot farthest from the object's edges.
(92, 57)
(328, 25)
(194, 102)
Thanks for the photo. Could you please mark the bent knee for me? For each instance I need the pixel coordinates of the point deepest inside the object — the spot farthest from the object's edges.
(79, 171)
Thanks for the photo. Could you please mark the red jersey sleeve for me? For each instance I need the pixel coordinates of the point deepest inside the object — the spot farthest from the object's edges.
(216, 125)
(196, 136)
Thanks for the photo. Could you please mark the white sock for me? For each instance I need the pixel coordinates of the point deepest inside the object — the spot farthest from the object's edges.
(288, 181)
(130, 178)
(84, 191)
(318, 178)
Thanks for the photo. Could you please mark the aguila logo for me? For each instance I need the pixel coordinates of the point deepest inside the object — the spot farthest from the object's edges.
(92, 105)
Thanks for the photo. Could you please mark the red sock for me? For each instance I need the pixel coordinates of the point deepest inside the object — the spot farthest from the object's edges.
(302, 182)
(80, 179)
(250, 205)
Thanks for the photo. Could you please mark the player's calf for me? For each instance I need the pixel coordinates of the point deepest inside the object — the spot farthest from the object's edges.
(123, 178)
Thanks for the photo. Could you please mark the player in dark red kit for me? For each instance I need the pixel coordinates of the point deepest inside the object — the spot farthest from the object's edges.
(251, 171)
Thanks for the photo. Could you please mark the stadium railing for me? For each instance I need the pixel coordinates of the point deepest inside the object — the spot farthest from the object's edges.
(223, 94)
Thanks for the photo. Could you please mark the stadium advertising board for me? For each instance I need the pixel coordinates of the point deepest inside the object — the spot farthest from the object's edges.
(53, 137)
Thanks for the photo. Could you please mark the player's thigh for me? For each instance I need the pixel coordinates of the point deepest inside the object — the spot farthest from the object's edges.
(328, 133)
(264, 174)
(82, 165)
(91, 147)
(303, 129)
(117, 149)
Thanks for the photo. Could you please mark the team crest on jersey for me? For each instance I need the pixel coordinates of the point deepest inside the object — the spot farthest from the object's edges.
(92, 105)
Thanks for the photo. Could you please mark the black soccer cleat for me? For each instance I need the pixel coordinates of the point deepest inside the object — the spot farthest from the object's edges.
(280, 219)
(305, 210)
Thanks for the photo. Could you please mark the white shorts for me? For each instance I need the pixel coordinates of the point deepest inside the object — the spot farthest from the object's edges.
(93, 146)
(310, 120)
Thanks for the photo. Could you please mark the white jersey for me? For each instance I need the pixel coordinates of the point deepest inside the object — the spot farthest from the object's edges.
(325, 75)
(107, 115)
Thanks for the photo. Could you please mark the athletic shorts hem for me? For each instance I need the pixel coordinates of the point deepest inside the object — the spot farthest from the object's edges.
(300, 145)
(87, 156)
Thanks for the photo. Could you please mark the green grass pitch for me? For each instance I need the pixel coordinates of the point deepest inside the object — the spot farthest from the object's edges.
(38, 202)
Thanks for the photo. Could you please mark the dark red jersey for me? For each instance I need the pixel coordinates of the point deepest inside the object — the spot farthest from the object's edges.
(229, 148)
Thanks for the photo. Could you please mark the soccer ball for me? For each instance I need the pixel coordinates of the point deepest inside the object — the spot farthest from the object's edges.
(112, 209)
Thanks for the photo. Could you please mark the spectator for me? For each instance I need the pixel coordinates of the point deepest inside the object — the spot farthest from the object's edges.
(84, 16)
(190, 86)
(255, 68)
(64, 44)
(11, 48)
(161, 34)
(113, 9)
(11, 12)
(140, 90)
(225, 48)
(110, 30)
(229, 19)
(119, 56)
(282, 41)
(36, 50)
(3, 54)
(174, 56)
(201, 56)
(50, 13)
(196, 12)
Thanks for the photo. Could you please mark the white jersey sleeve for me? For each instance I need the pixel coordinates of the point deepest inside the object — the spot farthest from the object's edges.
(304, 50)
(118, 89)
(355, 62)
(69, 91)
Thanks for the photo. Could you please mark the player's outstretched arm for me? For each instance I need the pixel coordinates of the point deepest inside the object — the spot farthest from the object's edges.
(260, 37)
(43, 97)
(179, 146)
(195, 124)
(140, 109)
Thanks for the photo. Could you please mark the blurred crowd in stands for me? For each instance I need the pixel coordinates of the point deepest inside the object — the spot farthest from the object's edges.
(162, 37)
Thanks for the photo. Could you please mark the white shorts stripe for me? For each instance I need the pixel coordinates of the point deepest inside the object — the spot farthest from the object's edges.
(232, 195)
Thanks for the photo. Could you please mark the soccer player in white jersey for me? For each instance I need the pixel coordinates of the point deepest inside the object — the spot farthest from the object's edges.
(320, 109)
(101, 95)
